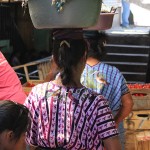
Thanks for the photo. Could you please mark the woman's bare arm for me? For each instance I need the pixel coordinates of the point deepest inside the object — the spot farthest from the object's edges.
(126, 108)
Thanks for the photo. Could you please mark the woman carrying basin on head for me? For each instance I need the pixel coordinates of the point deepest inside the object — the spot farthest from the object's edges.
(65, 114)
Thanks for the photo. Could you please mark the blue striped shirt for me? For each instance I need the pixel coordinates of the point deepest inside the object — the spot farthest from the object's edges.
(107, 81)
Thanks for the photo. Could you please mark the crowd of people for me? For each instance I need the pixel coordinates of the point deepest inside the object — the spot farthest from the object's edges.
(80, 106)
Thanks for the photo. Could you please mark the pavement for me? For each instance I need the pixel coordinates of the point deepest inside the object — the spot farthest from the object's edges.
(131, 30)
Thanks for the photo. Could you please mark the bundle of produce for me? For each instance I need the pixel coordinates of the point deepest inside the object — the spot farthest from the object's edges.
(139, 86)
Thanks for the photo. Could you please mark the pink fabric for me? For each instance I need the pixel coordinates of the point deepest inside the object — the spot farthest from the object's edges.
(10, 86)
(73, 118)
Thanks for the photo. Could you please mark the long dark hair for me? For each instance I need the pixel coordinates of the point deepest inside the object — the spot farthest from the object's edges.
(95, 44)
(14, 117)
(67, 54)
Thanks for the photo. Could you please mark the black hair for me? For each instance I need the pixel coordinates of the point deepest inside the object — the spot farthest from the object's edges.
(67, 54)
(95, 44)
(14, 117)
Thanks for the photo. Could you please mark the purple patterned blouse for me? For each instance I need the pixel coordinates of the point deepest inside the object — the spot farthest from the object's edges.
(73, 118)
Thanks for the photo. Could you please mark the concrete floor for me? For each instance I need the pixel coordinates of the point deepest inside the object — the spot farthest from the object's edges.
(132, 30)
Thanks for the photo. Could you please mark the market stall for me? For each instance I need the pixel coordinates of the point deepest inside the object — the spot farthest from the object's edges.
(137, 124)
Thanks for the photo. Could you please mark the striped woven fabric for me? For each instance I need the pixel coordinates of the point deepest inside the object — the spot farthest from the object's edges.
(72, 118)
(106, 80)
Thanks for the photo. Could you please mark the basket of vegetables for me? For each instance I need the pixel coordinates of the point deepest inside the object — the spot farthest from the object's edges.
(140, 95)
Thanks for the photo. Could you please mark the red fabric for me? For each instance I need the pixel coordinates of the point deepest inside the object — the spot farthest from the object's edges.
(68, 33)
(10, 86)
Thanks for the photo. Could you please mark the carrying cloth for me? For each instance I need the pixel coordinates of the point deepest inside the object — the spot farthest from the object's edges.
(70, 33)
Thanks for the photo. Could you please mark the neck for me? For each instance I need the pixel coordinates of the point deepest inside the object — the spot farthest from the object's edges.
(74, 83)
(92, 61)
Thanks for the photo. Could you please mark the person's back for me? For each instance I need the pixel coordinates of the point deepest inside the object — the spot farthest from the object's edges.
(70, 117)
(106, 80)
(65, 114)
(10, 86)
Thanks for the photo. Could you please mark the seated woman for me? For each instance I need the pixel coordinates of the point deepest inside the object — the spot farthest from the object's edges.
(14, 121)
(65, 114)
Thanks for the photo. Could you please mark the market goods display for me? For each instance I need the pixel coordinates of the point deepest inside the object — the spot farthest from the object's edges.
(27, 87)
(141, 96)
(139, 86)
(28, 84)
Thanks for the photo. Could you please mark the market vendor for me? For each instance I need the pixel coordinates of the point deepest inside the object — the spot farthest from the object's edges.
(10, 85)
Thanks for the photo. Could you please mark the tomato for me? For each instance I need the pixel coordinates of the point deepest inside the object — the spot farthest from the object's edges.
(139, 86)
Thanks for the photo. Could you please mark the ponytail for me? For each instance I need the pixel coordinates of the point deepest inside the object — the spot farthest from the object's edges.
(67, 54)
(66, 75)
(65, 62)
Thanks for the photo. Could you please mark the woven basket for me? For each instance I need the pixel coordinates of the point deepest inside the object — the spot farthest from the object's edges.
(75, 14)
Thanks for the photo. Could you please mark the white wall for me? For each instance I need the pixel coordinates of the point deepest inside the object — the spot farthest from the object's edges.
(141, 12)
